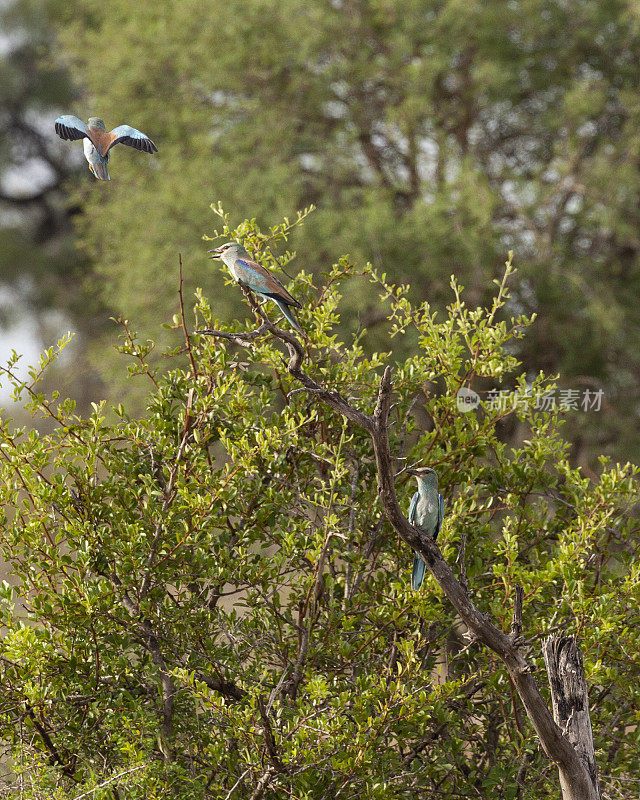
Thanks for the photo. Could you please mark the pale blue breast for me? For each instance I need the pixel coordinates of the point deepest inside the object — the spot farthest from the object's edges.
(427, 513)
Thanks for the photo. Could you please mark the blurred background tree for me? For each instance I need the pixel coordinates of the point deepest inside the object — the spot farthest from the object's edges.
(433, 136)
(41, 270)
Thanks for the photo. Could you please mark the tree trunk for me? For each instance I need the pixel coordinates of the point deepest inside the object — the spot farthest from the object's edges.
(570, 701)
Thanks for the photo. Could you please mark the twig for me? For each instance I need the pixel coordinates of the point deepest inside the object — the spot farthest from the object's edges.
(135, 352)
(303, 647)
(65, 767)
(262, 784)
(269, 738)
(527, 758)
(516, 625)
(237, 783)
(187, 340)
(110, 780)
(151, 643)
(355, 478)
(237, 338)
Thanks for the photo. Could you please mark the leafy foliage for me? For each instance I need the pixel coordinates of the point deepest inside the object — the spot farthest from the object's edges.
(207, 602)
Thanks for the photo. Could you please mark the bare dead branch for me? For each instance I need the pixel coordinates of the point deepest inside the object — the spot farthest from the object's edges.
(227, 689)
(269, 738)
(570, 701)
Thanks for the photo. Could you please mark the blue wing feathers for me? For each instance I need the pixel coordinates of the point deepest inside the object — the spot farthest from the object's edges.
(412, 509)
(254, 279)
(261, 280)
(125, 134)
(70, 127)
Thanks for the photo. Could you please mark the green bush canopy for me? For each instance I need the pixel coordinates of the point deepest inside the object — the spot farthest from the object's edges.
(212, 600)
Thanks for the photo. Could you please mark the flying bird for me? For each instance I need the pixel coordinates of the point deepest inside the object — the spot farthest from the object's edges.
(98, 141)
(254, 276)
(425, 512)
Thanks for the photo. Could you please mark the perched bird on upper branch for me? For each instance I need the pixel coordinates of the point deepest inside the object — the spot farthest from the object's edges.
(98, 141)
(254, 276)
(425, 512)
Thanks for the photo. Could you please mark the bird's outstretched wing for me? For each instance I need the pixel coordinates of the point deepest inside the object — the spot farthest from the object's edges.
(258, 278)
(125, 134)
(70, 127)
(440, 517)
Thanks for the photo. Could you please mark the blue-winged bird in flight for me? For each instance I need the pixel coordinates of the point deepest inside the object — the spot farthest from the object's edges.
(98, 141)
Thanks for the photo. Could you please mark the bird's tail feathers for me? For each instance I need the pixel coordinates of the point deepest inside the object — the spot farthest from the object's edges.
(417, 573)
(288, 314)
(100, 171)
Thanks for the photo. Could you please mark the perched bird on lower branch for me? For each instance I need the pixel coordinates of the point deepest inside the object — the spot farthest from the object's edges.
(425, 512)
(257, 278)
(98, 141)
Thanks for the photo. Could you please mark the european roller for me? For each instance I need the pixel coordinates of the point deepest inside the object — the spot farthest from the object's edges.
(254, 276)
(425, 512)
(98, 141)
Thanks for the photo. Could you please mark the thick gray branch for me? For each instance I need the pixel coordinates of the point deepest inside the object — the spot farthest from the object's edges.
(227, 689)
(269, 738)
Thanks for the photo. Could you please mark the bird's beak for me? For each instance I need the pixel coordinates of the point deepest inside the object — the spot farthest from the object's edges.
(411, 472)
(216, 252)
